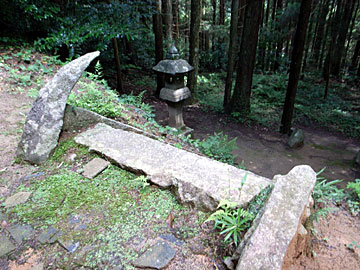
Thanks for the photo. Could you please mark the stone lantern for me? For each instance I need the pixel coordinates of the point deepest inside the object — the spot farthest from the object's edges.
(175, 91)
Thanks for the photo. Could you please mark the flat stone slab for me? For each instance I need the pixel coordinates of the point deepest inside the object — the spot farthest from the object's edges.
(158, 256)
(45, 120)
(277, 226)
(21, 232)
(16, 199)
(197, 180)
(5, 246)
(94, 167)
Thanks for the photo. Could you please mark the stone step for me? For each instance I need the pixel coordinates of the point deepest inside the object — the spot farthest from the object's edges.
(197, 180)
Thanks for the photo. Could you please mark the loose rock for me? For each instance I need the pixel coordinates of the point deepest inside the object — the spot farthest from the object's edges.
(46, 235)
(357, 159)
(158, 256)
(94, 167)
(16, 199)
(297, 138)
(45, 119)
(5, 246)
(21, 232)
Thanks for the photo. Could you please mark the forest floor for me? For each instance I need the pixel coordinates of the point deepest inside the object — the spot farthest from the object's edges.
(263, 151)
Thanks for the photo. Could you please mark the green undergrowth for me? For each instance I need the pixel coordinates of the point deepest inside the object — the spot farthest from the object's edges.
(232, 221)
(326, 192)
(268, 94)
(26, 69)
(120, 210)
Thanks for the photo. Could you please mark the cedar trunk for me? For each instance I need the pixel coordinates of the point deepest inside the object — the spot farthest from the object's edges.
(295, 66)
(240, 101)
(167, 18)
(194, 45)
(235, 4)
(159, 47)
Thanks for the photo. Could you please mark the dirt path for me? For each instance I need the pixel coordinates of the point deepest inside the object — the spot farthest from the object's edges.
(266, 153)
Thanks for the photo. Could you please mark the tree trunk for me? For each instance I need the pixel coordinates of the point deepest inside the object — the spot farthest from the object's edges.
(264, 45)
(308, 39)
(222, 12)
(240, 101)
(356, 55)
(194, 45)
(119, 78)
(325, 38)
(167, 19)
(279, 45)
(159, 46)
(235, 4)
(339, 47)
(295, 66)
(320, 31)
(355, 13)
(214, 11)
(176, 19)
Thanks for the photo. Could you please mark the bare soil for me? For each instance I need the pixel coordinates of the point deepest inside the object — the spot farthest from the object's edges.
(263, 151)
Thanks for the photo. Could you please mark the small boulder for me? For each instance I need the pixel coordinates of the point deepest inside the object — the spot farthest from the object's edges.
(357, 159)
(158, 256)
(297, 138)
(16, 199)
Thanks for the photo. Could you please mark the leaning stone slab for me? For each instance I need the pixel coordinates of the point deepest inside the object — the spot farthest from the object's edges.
(94, 167)
(279, 222)
(45, 119)
(5, 246)
(197, 180)
(76, 118)
(16, 199)
(158, 256)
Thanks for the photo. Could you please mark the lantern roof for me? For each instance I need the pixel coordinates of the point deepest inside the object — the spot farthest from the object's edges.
(173, 67)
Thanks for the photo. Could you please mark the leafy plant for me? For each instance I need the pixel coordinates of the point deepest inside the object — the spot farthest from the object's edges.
(354, 198)
(325, 190)
(218, 147)
(231, 221)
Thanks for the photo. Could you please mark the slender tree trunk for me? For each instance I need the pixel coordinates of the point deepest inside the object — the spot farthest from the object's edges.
(295, 66)
(343, 28)
(194, 45)
(159, 46)
(279, 45)
(308, 39)
(119, 78)
(176, 19)
(264, 45)
(214, 4)
(325, 38)
(222, 12)
(355, 13)
(240, 101)
(356, 55)
(167, 19)
(235, 4)
(320, 31)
